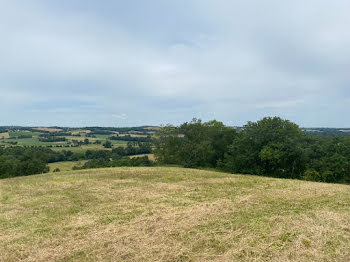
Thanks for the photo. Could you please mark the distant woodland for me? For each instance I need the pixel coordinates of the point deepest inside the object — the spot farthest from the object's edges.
(270, 147)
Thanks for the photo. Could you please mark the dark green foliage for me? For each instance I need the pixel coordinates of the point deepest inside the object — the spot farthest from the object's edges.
(193, 144)
(19, 161)
(23, 161)
(24, 136)
(312, 175)
(118, 152)
(101, 132)
(52, 139)
(107, 144)
(141, 130)
(3, 129)
(51, 134)
(133, 149)
(271, 147)
(168, 145)
(277, 147)
(131, 138)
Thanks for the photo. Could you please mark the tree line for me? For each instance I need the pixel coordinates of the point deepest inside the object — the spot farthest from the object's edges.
(131, 138)
(52, 139)
(270, 147)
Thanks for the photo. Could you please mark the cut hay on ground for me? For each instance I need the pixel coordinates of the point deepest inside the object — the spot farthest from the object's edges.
(171, 214)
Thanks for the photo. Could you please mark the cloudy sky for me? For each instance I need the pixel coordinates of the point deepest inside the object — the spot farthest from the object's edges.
(136, 62)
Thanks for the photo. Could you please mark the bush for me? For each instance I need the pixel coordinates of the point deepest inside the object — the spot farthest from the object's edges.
(312, 175)
(328, 176)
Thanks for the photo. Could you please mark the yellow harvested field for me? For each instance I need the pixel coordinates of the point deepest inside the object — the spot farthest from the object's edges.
(49, 129)
(4, 135)
(152, 128)
(81, 132)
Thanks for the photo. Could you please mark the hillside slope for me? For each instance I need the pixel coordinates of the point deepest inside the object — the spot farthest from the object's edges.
(171, 214)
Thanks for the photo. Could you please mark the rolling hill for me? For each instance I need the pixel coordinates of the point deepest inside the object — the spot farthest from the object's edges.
(171, 214)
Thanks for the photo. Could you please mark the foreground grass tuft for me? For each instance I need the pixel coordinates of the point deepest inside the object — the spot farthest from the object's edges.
(171, 214)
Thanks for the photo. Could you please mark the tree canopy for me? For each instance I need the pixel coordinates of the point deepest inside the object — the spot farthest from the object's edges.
(271, 146)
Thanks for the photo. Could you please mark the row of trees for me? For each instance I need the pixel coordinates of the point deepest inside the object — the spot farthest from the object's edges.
(52, 139)
(57, 133)
(118, 156)
(131, 138)
(118, 152)
(271, 146)
(23, 136)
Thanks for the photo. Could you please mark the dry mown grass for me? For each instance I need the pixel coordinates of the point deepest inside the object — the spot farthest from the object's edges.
(171, 214)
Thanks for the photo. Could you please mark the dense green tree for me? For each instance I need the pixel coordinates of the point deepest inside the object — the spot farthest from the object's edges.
(107, 144)
(271, 146)
(193, 144)
(168, 145)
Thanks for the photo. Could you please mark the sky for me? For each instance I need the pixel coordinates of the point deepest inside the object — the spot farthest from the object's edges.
(132, 63)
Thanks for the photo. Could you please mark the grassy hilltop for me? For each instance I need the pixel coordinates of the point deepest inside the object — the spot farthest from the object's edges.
(171, 214)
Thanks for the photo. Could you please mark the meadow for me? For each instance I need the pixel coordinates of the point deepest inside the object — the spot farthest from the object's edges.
(4, 135)
(66, 165)
(34, 141)
(171, 214)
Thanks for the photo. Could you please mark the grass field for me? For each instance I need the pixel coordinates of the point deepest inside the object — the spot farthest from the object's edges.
(119, 142)
(171, 214)
(4, 135)
(49, 129)
(150, 156)
(66, 165)
(12, 137)
(34, 141)
(21, 133)
(82, 148)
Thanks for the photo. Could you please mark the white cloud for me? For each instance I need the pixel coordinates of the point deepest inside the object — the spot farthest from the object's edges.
(219, 59)
(120, 116)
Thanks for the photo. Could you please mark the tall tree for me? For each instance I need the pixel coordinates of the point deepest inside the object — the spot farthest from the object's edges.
(271, 146)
